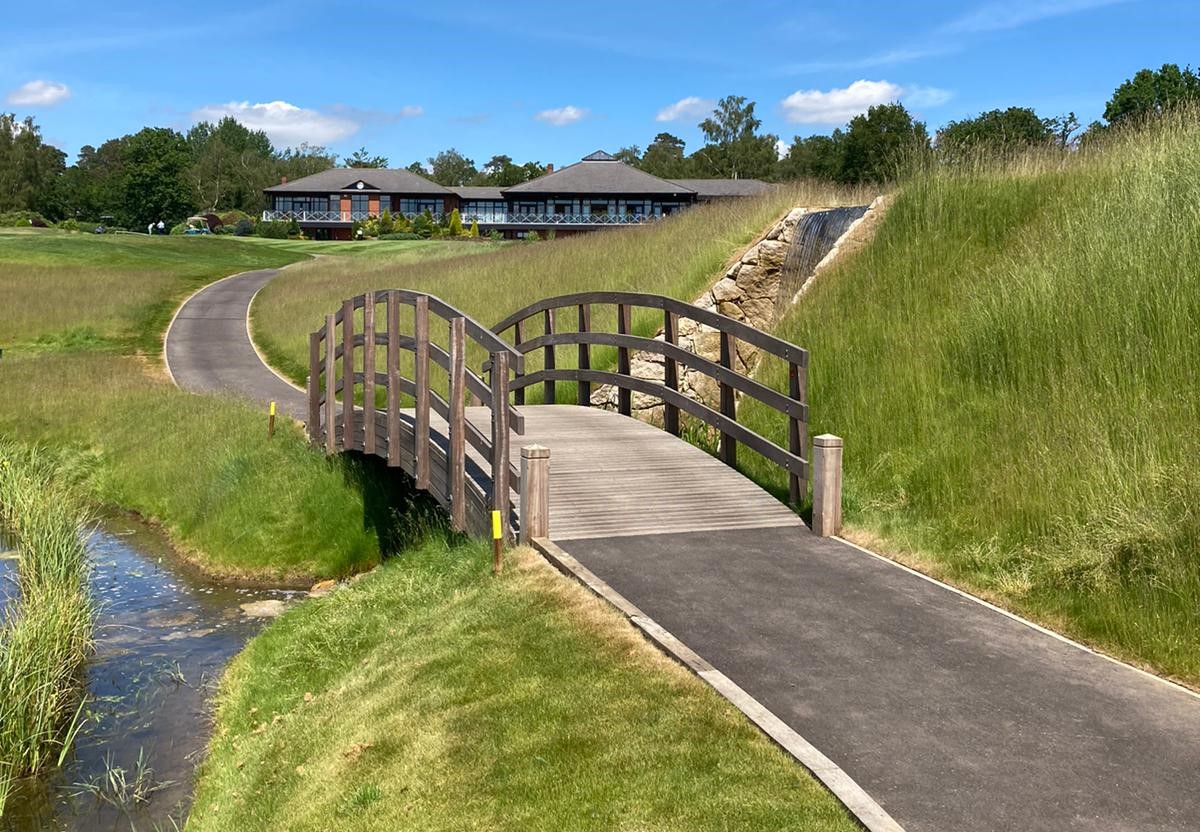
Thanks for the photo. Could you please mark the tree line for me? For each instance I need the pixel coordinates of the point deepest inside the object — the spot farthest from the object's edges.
(163, 174)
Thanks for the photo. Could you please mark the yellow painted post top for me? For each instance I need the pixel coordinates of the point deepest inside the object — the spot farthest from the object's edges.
(495, 525)
(272, 408)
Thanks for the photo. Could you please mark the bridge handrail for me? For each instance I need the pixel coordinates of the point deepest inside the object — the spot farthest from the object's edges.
(410, 445)
(793, 404)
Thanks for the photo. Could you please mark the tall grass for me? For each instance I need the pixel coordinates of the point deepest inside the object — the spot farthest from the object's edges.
(678, 257)
(1013, 366)
(46, 638)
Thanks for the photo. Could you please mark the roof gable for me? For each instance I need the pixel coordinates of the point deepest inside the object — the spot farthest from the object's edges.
(599, 173)
(381, 180)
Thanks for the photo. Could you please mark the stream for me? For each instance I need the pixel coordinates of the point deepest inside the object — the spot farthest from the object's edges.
(164, 633)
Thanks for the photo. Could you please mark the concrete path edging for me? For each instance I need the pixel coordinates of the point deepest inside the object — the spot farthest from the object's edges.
(860, 804)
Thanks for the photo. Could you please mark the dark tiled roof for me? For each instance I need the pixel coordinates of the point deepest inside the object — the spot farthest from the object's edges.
(345, 179)
(726, 187)
(478, 192)
(598, 173)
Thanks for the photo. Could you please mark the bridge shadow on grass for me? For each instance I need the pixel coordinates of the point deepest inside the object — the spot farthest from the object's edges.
(397, 513)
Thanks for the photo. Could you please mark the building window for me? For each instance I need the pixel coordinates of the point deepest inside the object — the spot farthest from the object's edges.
(360, 203)
(419, 206)
(562, 208)
(385, 204)
(599, 209)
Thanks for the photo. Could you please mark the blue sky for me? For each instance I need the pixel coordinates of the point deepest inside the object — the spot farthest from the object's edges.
(551, 81)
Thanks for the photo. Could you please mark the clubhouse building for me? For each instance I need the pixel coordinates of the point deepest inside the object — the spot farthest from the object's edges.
(598, 191)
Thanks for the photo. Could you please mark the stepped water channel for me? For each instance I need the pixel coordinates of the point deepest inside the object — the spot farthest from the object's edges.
(164, 633)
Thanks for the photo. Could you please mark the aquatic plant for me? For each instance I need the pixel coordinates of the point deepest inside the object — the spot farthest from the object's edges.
(46, 635)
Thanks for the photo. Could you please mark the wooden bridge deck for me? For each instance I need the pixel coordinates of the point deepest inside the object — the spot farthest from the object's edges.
(612, 476)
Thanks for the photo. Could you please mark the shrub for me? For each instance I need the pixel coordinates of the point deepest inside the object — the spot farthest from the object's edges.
(21, 219)
(293, 228)
(243, 228)
(422, 225)
(386, 224)
(400, 235)
(272, 230)
(455, 224)
(180, 228)
(233, 216)
(68, 225)
(496, 236)
(474, 232)
(532, 237)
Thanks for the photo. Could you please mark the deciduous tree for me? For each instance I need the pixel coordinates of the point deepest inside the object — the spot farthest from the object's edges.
(452, 168)
(881, 143)
(1151, 92)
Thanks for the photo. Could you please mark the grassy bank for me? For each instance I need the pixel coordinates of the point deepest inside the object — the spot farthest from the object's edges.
(46, 635)
(432, 696)
(677, 257)
(1013, 367)
(201, 466)
(115, 292)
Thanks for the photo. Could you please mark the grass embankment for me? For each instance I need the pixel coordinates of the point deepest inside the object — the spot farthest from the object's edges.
(430, 695)
(1013, 366)
(679, 257)
(46, 635)
(199, 466)
(114, 292)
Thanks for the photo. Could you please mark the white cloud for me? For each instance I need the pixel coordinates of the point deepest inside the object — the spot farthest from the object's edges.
(1011, 15)
(411, 111)
(837, 106)
(39, 94)
(926, 96)
(690, 107)
(561, 116)
(285, 124)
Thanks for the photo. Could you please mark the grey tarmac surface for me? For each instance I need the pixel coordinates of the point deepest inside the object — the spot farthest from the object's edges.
(208, 349)
(952, 715)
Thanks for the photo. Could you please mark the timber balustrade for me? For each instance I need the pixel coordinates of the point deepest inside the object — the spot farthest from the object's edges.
(342, 371)
(567, 321)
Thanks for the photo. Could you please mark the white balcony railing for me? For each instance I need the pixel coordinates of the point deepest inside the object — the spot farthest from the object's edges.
(482, 219)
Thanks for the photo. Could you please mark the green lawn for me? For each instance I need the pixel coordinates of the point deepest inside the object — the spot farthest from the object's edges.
(1013, 366)
(431, 696)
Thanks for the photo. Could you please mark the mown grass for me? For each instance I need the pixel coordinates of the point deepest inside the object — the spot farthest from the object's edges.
(201, 466)
(431, 696)
(678, 257)
(400, 251)
(45, 635)
(115, 292)
(1012, 364)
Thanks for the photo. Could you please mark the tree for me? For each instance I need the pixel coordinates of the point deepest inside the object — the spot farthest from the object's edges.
(304, 160)
(1063, 128)
(501, 172)
(734, 148)
(417, 168)
(814, 157)
(154, 178)
(631, 155)
(1003, 131)
(231, 164)
(664, 157)
(452, 168)
(880, 144)
(1150, 93)
(361, 158)
(29, 168)
(94, 186)
(455, 227)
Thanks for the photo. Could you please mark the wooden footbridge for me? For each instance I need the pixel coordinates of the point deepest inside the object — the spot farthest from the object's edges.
(390, 376)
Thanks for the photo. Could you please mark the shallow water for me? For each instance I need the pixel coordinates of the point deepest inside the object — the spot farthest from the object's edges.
(164, 634)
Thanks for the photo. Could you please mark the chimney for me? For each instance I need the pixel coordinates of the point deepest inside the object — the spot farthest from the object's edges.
(550, 168)
(283, 180)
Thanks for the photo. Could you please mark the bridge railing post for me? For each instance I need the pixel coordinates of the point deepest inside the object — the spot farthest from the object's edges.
(584, 388)
(728, 449)
(456, 459)
(535, 492)
(518, 337)
(369, 373)
(421, 384)
(624, 395)
(393, 379)
(330, 386)
(827, 485)
(797, 430)
(548, 396)
(314, 388)
(501, 499)
(348, 441)
(670, 372)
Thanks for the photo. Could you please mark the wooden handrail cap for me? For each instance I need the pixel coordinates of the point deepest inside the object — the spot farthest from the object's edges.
(535, 452)
(827, 440)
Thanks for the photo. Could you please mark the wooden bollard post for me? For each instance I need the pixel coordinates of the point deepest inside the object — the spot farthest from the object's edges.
(271, 422)
(535, 492)
(497, 543)
(827, 485)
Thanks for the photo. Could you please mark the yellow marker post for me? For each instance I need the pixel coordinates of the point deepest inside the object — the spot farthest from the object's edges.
(496, 542)
(271, 422)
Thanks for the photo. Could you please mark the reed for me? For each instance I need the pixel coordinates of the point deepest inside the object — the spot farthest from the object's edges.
(47, 636)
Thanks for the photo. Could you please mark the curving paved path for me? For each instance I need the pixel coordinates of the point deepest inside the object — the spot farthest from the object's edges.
(951, 714)
(208, 346)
